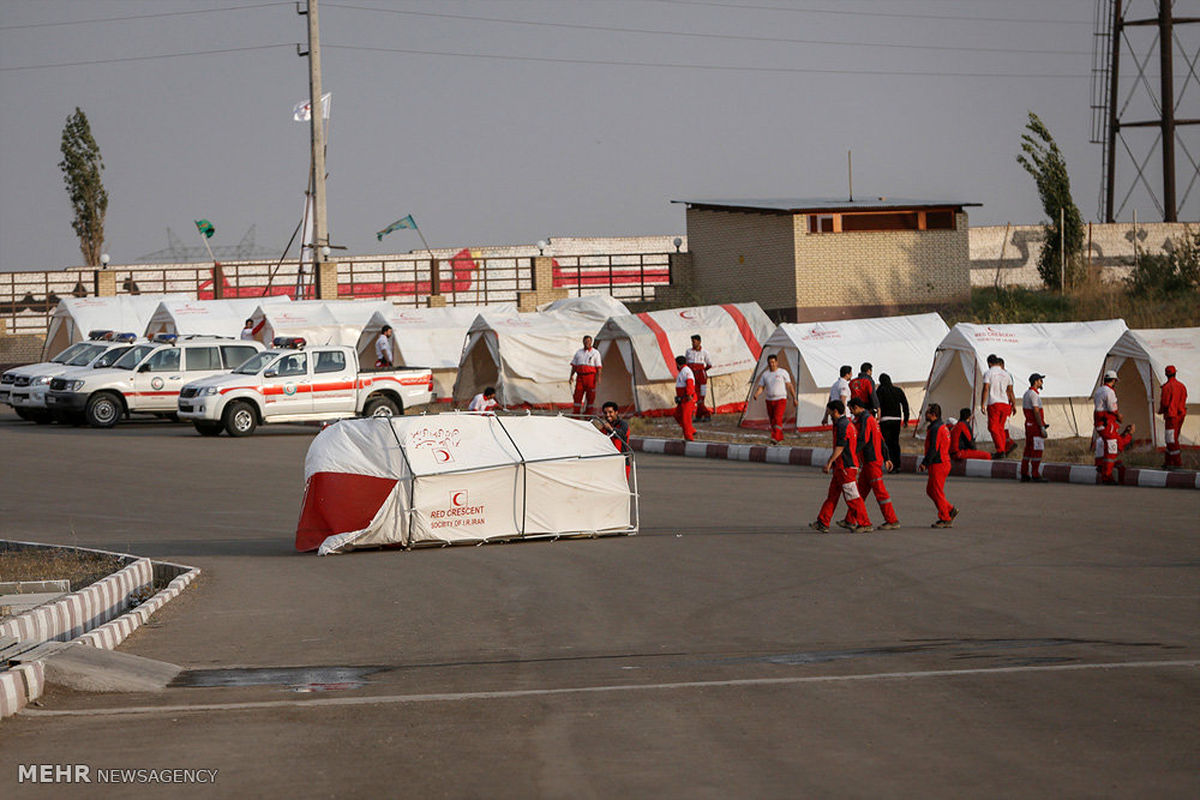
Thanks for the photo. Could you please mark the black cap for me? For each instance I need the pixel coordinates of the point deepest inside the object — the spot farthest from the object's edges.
(1037, 376)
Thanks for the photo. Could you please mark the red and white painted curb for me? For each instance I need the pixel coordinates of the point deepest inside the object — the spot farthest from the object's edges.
(971, 468)
(95, 616)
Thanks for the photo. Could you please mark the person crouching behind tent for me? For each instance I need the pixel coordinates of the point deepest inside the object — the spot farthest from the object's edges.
(871, 463)
(1173, 407)
(1035, 431)
(484, 401)
(685, 398)
(843, 464)
(1107, 461)
(1107, 419)
(617, 430)
(699, 363)
(962, 439)
(585, 372)
(777, 383)
(937, 464)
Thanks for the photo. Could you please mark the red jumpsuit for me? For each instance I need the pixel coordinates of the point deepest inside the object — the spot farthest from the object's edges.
(685, 402)
(937, 462)
(699, 363)
(1173, 407)
(585, 366)
(1108, 453)
(1108, 425)
(962, 443)
(870, 474)
(844, 480)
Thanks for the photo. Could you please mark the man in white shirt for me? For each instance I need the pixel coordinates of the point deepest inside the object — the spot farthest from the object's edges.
(685, 398)
(777, 383)
(1035, 431)
(585, 373)
(383, 347)
(484, 401)
(699, 363)
(997, 397)
(1107, 419)
(248, 330)
(840, 390)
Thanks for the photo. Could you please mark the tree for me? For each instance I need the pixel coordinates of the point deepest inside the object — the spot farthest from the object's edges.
(81, 167)
(1042, 159)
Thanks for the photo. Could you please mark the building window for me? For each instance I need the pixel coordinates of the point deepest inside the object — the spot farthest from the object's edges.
(889, 221)
(820, 223)
(939, 220)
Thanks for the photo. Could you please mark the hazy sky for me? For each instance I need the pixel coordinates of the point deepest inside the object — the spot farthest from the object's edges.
(504, 121)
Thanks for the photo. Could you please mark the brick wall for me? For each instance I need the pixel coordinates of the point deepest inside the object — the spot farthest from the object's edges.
(741, 257)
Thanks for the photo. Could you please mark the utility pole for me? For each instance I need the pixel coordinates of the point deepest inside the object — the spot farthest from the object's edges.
(317, 123)
(1168, 110)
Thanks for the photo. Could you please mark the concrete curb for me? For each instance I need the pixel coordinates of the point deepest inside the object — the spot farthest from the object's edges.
(971, 468)
(95, 616)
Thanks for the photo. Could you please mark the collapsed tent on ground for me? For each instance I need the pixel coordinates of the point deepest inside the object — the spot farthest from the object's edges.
(526, 357)
(1140, 359)
(1069, 354)
(426, 337)
(208, 317)
(638, 354)
(814, 352)
(318, 321)
(75, 317)
(461, 478)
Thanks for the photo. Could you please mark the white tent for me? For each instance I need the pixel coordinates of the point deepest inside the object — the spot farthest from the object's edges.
(426, 337)
(74, 317)
(461, 478)
(527, 357)
(318, 321)
(1140, 358)
(1069, 354)
(207, 317)
(598, 307)
(813, 352)
(638, 353)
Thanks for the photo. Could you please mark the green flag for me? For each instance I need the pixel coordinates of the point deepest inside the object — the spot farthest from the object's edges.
(205, 227)
(400, 224)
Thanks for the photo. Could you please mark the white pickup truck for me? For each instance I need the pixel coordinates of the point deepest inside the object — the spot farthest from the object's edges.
(146, 379)
(24, 388)
(291, 384)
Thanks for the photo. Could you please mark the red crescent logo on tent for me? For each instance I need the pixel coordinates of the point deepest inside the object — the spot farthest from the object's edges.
(687, 315)
(458, 498)
(442, 456)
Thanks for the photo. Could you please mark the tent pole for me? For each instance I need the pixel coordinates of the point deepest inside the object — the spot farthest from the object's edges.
(524, 478)
(412, 484)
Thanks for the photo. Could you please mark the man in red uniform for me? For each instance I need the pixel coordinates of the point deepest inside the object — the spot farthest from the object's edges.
(937, 464)
(997, 398)
(871, 463)
(699, 363)
(962, 439)
(1173, 406)
(1112, 460)
(1035, 431)
(685, 398)
(1107, 419)
(844, 466)
(585, 371)
(777, 383)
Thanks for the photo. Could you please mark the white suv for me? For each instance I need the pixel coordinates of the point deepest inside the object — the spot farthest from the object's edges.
(146, 380)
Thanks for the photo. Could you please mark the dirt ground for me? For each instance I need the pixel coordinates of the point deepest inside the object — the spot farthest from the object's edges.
(724, 428)
(41, 564)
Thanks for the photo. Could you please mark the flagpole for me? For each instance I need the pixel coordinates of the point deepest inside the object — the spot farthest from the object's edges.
(435, 282)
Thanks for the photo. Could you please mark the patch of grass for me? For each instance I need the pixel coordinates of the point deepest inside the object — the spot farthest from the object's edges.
(1093, 299)
(39, 564)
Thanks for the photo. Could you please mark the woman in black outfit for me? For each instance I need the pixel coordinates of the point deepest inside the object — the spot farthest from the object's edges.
(893, 415)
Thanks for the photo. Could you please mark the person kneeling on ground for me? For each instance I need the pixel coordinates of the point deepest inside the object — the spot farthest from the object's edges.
(1108, 454)
(962, 439)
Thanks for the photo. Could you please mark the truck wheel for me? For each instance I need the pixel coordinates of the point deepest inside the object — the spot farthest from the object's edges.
(207, 428)
(240, 419)
(380, 407)
(41, 416)
(103, 410)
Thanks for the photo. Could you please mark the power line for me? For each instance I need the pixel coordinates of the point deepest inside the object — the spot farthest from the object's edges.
(713, 67)
(725, 36)
(146, 58)
(138, 16)
(891, 14)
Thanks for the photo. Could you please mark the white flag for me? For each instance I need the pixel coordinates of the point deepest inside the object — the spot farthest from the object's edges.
(302, 112)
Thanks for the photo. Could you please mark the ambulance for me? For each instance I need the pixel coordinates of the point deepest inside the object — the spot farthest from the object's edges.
(24, 388)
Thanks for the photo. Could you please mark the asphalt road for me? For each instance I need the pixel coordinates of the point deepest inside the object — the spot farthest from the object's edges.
(1047, 645)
